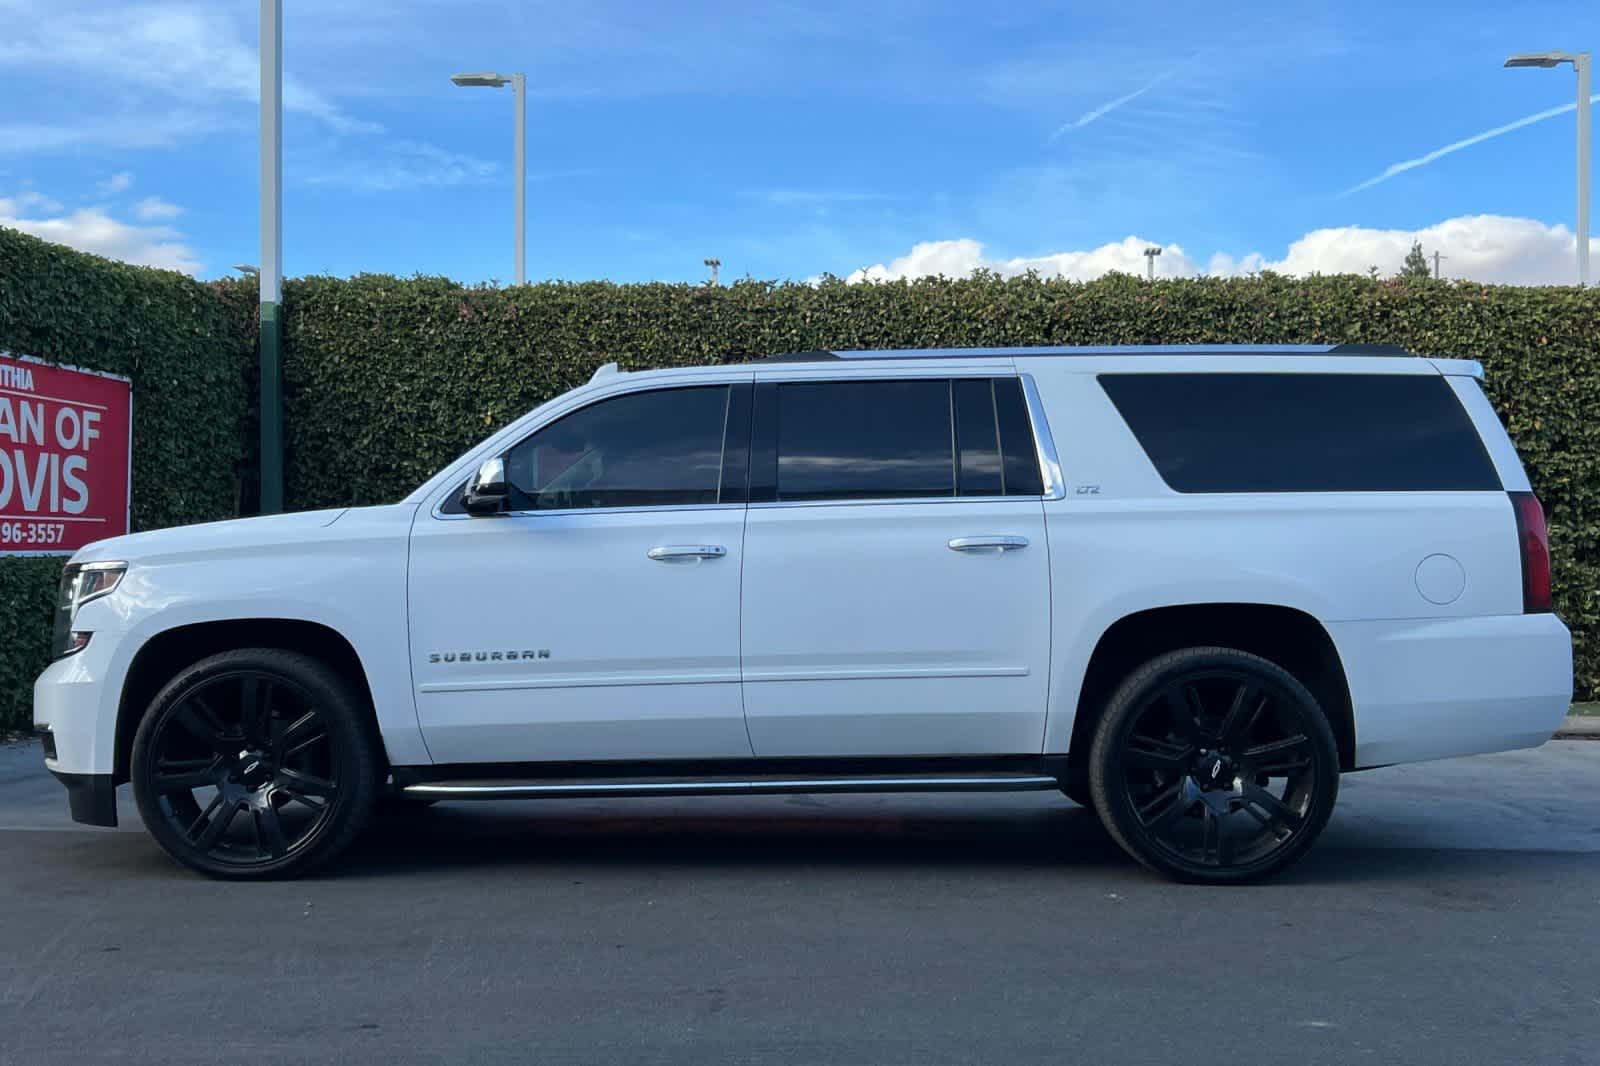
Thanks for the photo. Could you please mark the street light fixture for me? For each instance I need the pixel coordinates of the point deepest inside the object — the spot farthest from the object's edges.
(491, 80)
(1150, 262)
(1580, 63)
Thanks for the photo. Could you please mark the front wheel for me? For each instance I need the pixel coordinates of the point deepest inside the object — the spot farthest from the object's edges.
(1212, 765)
(254, 763)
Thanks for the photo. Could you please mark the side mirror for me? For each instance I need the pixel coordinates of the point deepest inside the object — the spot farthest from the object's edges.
(486, 493)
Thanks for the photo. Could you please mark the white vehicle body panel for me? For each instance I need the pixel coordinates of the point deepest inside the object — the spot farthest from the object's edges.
(866, 634)
(345, 570)
(852, 629)
(643, 654)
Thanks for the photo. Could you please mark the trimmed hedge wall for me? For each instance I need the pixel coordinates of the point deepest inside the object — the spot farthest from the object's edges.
(185, 345)
(388, 379)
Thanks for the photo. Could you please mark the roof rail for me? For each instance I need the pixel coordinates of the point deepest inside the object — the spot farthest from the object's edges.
(1022, 352)
(1367, 349)
(816, 355)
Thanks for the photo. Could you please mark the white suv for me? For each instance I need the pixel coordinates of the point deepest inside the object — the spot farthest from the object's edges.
(1188, 587)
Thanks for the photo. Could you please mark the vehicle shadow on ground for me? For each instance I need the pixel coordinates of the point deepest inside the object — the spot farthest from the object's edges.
(1061, 836)
(798, 833)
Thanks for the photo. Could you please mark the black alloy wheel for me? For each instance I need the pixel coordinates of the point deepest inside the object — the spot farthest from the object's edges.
(254, 763)
(1213, 765)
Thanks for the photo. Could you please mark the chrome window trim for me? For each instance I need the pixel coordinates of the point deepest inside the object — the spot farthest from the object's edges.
(892, 501)
(441, 516)
(1055, 486)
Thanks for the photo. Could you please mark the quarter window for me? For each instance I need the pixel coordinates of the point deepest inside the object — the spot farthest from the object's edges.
(1304, 432)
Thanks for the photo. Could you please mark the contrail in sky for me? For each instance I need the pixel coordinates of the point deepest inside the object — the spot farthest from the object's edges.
(1105, 109)
(1476, 138)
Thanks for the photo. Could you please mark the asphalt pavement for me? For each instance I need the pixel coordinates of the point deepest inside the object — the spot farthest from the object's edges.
(1449, 915)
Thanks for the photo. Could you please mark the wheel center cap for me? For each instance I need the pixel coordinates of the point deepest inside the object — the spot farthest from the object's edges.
(254, 769)
(1214, 770)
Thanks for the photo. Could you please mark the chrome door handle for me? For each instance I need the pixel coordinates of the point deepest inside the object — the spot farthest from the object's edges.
(995, 544)
(687, 551)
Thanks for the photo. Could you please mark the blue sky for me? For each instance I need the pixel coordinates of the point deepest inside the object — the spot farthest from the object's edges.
(796, 138)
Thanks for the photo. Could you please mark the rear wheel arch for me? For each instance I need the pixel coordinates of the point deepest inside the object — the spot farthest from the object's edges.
(161, 657)
(1289, 637)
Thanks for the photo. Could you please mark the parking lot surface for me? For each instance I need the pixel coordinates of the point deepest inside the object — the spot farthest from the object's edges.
(1449, 915)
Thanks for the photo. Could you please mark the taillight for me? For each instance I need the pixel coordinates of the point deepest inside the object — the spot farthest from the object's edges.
(1533, 540)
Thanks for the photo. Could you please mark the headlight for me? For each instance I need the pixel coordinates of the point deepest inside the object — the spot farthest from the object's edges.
(80, 583)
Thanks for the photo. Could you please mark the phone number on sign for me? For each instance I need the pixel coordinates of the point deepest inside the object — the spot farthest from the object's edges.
(41, 534)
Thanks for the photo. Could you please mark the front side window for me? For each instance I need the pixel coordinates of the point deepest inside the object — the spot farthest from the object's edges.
(642, 449)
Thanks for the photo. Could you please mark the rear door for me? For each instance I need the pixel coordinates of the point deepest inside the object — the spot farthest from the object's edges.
(896, 575)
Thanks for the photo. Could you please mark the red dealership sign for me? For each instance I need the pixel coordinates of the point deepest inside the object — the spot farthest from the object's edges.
(65, 446)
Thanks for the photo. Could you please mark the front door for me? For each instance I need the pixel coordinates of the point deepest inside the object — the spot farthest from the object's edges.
(896, 576)
(599, 619)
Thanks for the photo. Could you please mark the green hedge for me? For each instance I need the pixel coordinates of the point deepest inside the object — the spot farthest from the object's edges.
(388, 379)
(187, 349)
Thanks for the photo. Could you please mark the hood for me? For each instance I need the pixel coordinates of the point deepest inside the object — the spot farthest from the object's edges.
(233, 534)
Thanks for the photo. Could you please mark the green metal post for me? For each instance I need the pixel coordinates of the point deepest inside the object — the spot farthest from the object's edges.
(271, 410)
(271, 256)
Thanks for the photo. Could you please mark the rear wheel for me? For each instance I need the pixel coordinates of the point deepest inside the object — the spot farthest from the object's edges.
(1213, 765)
(254, 763)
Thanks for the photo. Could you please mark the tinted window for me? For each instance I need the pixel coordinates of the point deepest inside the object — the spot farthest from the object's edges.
(1303, 432)
(643, 449)
(1018, 453)
(977, 439)
(841, 440)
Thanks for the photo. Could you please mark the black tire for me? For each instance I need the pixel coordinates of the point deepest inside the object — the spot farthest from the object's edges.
(275, 734)
(1186, 756)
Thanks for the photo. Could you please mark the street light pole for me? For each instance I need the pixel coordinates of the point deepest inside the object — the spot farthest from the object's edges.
(1150, 263)
(519, 90)
(1581, 64)
(271, 273)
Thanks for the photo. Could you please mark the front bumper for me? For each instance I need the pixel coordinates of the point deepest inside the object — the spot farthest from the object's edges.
(92, 798)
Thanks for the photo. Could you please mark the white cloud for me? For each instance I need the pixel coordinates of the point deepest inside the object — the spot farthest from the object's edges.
(37, 201)
(118, 182)
(1111, 105)
(155, 209)
(791, 197)
(958, 258)
(1466, 142)
(145, 130)
(185, 51)
(1487, 248)
(406, 165)
(92, 229)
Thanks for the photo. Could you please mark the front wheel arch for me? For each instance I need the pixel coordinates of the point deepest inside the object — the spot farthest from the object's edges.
(166, 653)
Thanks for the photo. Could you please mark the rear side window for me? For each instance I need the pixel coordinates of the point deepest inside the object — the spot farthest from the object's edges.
(864, 439)
(1303, 432)
(891, 439)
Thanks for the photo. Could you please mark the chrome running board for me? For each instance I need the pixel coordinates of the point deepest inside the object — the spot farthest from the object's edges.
(742, 786)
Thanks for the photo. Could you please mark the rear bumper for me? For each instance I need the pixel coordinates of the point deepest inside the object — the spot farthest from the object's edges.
(92, 798)
(1436, 688)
